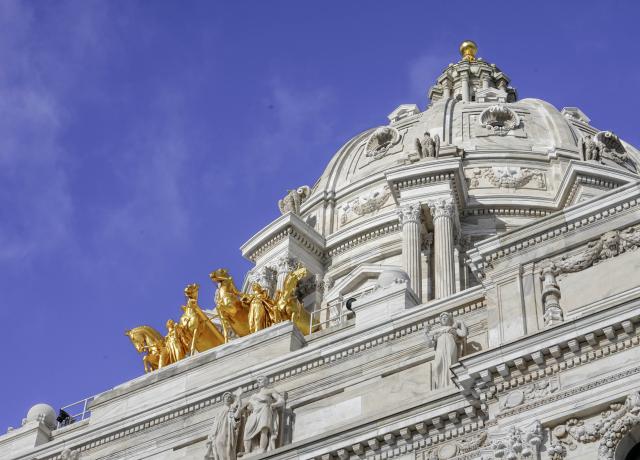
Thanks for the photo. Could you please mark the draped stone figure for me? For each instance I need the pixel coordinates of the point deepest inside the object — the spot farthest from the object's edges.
(448, 342)
(262, 424)
(176, 341)
(222, 442)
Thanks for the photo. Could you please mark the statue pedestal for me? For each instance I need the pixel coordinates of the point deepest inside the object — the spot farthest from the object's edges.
(199, 376)
(25, 438)
(383, 304)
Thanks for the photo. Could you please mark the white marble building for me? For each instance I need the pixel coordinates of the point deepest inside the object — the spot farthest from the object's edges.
(519, 221)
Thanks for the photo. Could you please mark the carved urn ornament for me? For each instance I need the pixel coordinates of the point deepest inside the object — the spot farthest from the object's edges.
(294, 199)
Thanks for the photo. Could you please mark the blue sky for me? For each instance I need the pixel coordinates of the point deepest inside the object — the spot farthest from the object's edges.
(141, 143)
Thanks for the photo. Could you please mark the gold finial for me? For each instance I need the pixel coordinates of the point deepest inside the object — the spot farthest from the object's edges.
(468, 50)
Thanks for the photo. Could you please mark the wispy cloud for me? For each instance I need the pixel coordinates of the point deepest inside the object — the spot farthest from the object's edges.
(35, 203)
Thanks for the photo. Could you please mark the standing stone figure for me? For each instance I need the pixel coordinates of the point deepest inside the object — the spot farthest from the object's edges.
(428, 147)
(262, 426)
(447, 340)
(222, 442)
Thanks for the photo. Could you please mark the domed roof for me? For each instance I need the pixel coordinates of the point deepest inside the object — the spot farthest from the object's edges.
(473, 114)
(42, 413)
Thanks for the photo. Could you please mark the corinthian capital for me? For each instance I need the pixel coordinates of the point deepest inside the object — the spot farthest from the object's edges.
(410, 213)
(442, 208)
(285, 264)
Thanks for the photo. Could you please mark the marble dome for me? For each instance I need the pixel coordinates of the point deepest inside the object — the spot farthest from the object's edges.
(515, 154)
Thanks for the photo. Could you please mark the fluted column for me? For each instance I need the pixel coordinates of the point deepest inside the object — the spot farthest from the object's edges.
(411, 220)
(442, 213)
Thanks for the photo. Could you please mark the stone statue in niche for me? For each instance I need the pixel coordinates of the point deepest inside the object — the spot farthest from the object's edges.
(263, 413)
(428, 147)
(448, 341)
(294, 199)
(222, 442)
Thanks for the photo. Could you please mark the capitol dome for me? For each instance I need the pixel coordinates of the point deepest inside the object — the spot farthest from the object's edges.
(488, 160)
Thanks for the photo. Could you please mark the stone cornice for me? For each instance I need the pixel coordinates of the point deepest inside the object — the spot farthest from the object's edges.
(318, 353)
(567, 345)
(286, 225)
(557, 225)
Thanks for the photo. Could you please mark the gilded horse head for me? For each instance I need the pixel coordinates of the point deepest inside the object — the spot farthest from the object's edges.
(147, 339)
(191, 291)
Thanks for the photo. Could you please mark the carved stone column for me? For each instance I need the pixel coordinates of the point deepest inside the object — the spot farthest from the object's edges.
(265, 277)
(411, 220)
(550, 295)
(283, 266)
(465, 87)
(442, 213)
(427, 271)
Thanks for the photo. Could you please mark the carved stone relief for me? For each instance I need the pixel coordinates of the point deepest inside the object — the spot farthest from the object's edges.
(448, 341)
(519, 443)
(509, 177)
(294, 199)
(456, 448)
(499, 120)
(368, 203)
(603, 146)
(610, 244)
(612, 426)
(528, 393)
(246, 427)
(380, 142)
(68, 454)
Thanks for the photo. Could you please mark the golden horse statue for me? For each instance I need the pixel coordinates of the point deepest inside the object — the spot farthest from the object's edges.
(203, 334)
(287, 305)
(234, 314)
(147, 339)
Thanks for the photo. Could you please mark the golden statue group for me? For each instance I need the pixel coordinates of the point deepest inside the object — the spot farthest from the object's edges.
(239, 314)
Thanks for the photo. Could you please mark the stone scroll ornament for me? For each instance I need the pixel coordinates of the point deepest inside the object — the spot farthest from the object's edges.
(605, 145)
(614, 424)
(293, 200)
(448, 340)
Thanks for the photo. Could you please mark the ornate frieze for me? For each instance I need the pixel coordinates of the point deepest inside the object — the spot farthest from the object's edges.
(363, 205)
(456, 449)
(508, 177)
(613, 425)
(610, 244)
(519, 443)
(528, 393)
